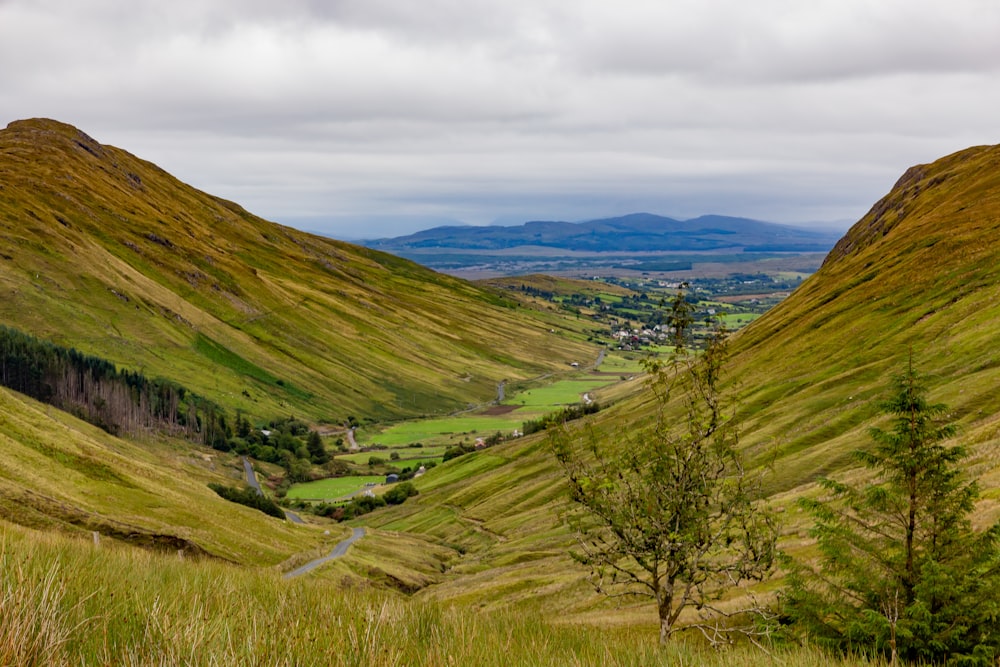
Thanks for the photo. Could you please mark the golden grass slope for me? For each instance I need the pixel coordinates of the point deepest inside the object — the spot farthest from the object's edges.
(142, 608)
(110, 254)
(920, 271)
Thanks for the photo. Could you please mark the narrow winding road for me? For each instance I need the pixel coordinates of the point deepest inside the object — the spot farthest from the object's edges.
(251, 477)
(339, 550)
(255, 485)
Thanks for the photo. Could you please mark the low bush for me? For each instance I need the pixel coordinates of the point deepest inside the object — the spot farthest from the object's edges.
(250, 498)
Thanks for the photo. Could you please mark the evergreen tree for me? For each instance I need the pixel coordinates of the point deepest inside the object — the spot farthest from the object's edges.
(317, 452)
(901, 572)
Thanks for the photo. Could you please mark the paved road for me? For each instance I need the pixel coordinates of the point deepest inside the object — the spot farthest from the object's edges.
(251, 477)
(339, 550)
(255, 485)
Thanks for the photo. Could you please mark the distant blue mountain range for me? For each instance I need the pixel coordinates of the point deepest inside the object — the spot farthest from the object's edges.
(637, 232)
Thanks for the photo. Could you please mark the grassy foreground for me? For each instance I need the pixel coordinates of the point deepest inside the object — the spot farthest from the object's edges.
(66, 602)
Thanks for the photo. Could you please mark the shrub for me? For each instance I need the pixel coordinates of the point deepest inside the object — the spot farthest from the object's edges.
(250, 498)
(456, 451)
(362, 505)
(398, 494)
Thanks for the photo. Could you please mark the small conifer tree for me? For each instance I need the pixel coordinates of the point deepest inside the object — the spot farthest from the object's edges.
(901, 571)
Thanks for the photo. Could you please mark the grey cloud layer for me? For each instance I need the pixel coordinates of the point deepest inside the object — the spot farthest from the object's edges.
(474, 110)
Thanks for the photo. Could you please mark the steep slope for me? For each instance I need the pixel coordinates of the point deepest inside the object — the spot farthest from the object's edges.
(59, 474)
(920, 271)
(108, 253)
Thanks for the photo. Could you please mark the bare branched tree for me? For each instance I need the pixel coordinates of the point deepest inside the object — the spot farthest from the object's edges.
(671, 513)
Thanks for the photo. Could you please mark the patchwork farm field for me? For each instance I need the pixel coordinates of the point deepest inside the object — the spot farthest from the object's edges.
(505, 418)
(626, 365)
(396, 450)
(384, 456)
(405, 454)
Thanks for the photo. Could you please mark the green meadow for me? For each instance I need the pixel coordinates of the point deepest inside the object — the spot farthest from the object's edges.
(440, 431)
(332, 488)
(527, 404)
(558, 394)
(363, 458)
(620, 363)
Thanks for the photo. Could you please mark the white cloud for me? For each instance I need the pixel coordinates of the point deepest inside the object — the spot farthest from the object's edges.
(477, 109)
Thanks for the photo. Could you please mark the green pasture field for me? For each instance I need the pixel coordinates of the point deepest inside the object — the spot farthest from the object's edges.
(412, 464)
(361, 458)
(529, 404)
(404, 453)
(419, 452)
(614, 363)
(444, 430)
(737, 320)
(334, 487)
(553, 396)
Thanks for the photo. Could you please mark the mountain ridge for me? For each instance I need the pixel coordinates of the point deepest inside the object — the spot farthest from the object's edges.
(634, 232)
(111, 254)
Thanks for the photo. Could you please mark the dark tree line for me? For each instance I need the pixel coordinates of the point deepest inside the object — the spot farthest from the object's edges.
(119, 401)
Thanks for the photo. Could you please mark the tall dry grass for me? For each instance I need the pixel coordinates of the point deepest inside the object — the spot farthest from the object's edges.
(66, 602)
(32, 627)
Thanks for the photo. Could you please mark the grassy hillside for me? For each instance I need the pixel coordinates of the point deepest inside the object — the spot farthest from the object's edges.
(60, 474)
(920, 271)
(108, 253)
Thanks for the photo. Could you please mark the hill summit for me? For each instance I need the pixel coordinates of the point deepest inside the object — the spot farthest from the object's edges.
(110, 254)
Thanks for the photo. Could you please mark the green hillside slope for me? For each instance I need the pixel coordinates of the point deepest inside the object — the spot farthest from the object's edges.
(108, 253)
(921, 271)
(60, 474)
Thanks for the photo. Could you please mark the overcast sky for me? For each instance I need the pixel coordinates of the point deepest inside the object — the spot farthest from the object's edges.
(366, 118)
